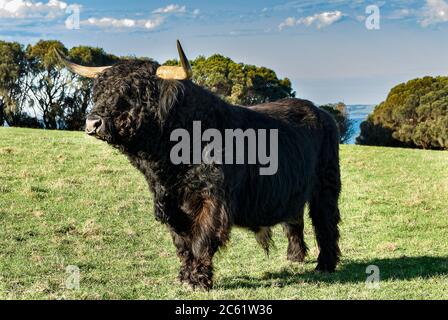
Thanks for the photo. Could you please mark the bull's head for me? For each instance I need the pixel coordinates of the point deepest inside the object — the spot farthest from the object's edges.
(129, 93)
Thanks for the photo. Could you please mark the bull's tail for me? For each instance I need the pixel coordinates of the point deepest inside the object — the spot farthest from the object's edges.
(263, 235)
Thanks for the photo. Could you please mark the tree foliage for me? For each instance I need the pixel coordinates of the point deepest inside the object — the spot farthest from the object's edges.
(13, 80)
(238, 83)
(415, 114)
(341, 116)
(33, 79)
(48, 88)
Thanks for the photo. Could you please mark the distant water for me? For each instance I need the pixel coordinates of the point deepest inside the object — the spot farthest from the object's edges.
(358, 113)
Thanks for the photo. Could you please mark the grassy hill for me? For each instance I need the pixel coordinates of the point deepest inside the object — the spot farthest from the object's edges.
(67, 199)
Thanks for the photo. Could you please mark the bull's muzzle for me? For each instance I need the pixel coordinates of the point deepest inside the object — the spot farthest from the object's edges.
(93, 124)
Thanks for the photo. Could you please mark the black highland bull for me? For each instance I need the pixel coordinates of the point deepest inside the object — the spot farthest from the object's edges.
(137, 104)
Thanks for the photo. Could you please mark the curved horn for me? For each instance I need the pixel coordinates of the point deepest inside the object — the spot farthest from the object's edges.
(88, 72)
(177, 73)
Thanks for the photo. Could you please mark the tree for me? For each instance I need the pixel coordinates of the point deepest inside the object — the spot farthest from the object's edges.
(345, 124)
(264, 86)
(13, 82)
(238, 83)
(48, 88)
(415, 114)
(376, 135)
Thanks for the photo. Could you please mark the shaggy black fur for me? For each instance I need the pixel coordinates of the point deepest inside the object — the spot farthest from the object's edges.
(200, 203)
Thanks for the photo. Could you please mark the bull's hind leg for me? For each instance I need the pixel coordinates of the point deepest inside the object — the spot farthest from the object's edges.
(297, 248)
(325, 216)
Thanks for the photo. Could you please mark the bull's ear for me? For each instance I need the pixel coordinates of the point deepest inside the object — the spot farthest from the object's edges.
(170, 92)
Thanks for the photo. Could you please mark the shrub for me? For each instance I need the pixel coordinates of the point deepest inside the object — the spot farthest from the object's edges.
(415, 114)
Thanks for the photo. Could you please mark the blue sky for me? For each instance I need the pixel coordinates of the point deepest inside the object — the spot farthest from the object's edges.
(324, 47)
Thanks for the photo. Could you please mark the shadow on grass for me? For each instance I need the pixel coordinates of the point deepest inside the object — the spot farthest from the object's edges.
(404, 268)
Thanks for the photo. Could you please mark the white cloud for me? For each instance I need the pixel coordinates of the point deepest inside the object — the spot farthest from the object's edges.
(154, 23)
(435, 11)
(23, 9)
(401, 13)
(160, 15)
(320, 20)
(289, 22)
(177, 9)
(111, 22)
(107, 22)
(172, 8)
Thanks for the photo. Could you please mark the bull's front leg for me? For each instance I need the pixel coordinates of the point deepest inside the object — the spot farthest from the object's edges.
(210, 230)
(201, 272)
(196, 260)
(167, 211)
(185, 255)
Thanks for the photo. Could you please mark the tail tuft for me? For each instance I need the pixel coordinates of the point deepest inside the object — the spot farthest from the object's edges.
(263, 235)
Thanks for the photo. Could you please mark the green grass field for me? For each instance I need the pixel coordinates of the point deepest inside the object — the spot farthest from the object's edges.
(68, 199)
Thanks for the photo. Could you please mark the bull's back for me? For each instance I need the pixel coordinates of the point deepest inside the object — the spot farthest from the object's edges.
(272, 198)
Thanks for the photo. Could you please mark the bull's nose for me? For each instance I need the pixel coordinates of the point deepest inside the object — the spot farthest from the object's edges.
(92, 125)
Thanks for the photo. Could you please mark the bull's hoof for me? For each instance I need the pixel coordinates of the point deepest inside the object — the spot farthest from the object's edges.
(297, 257)
(201, 283)
(184, 275)
(325, 268)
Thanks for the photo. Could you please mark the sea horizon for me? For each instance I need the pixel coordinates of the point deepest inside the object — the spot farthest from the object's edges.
(358, 113)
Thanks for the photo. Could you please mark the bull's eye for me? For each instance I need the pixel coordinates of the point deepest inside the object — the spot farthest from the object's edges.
(123, 104)
(124, 123)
